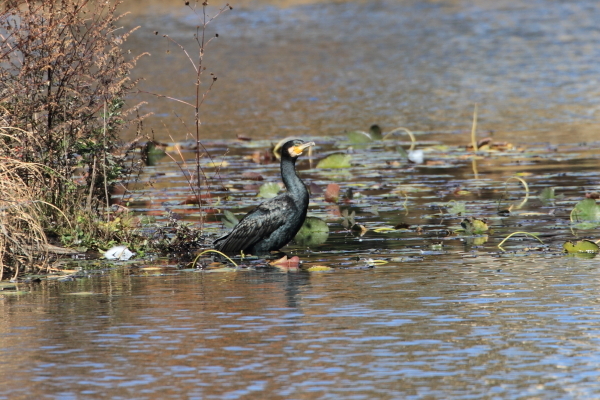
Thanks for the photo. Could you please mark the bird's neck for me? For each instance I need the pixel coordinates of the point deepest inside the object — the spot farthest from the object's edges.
(291, 180)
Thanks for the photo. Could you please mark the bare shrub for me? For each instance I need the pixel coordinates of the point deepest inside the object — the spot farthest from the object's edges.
(63, 80)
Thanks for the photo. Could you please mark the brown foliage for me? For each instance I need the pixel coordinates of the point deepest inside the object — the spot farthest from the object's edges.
(63, 78)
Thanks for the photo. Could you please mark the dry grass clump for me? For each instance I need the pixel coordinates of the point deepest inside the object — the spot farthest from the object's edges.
(23, 244)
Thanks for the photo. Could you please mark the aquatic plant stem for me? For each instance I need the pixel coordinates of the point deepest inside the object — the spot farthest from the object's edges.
(524, 185)
(410, 134)
(474, 166)
(474, 129)
(212, 251)
(515, 233)
(571, 214)
(574, 210)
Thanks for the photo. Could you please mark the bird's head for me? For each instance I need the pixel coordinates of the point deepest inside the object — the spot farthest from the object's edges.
(294, 148)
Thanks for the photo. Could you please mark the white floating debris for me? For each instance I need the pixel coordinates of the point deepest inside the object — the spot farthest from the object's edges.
(118, 253)
(416, 156)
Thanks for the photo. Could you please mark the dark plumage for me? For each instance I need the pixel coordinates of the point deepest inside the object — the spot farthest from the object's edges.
(274, 223)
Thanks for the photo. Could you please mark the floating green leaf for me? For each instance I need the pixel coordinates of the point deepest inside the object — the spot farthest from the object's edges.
(586, 210)
(359, 137)
(473, 226)
(337, 160)
(362, 137)
(582, 246)
(229, 219)
(314, 232)
(547, 195)
(457, 208)
(269, 190)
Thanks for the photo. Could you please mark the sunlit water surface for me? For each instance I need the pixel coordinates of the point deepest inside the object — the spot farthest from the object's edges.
(476, 327)
(450, 316)
(327, 66)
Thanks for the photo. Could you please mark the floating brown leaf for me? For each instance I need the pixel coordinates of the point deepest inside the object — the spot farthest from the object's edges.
(332, 193)
(286, 262)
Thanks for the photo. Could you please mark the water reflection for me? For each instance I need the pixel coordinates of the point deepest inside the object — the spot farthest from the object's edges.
(487, 325)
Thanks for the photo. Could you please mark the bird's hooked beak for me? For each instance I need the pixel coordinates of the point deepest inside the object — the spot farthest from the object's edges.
(297, 150)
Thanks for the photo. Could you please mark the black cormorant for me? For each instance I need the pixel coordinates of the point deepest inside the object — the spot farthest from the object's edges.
(274, 223)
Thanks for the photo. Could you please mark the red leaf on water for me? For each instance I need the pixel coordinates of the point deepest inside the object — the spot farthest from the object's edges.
(332, 193)
(285, 262)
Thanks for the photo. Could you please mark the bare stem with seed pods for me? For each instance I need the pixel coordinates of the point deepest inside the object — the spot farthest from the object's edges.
(200, 96)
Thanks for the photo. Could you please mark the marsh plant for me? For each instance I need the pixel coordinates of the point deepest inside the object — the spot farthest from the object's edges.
(63, 79)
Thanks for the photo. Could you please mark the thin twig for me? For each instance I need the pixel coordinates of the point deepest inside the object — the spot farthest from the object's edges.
(184, 50)
(166, 97)
(104, 165)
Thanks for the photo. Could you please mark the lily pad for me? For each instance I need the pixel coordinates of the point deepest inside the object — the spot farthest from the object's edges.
(582, 246)
(362, 137)
(587, 210)
(315, 231)
(337, 160)
(474, 226)
(403, 153)
(229, 219)
(457, 208)
(269, 190)
(359, 137)
(547, 195)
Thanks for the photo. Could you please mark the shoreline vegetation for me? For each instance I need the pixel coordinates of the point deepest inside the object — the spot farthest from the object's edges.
(65, 76)
(63, 79)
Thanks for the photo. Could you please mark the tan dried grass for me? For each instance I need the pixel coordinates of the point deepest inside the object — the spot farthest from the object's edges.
(23, 243)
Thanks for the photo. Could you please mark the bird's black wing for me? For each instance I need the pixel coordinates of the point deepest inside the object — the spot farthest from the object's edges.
(256, 225)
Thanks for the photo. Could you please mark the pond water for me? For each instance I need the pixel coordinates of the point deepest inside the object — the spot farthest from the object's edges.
(413, 308)
(322, 67)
